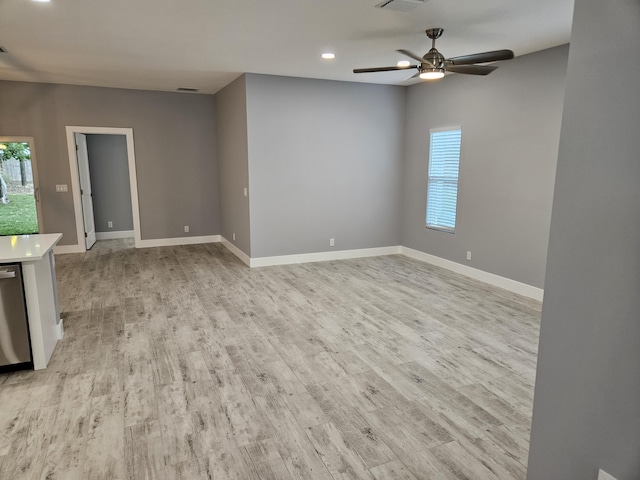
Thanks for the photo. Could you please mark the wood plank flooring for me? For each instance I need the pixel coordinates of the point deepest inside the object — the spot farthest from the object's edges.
(182, 363)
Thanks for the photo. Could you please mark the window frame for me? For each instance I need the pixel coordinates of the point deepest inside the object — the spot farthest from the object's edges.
(431, 178)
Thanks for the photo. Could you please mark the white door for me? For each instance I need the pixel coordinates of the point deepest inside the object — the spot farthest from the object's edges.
(85, 190)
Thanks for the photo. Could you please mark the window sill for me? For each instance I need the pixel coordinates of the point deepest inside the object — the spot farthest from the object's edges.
(440, 229)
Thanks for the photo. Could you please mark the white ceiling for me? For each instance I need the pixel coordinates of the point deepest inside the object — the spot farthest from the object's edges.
(205, 44)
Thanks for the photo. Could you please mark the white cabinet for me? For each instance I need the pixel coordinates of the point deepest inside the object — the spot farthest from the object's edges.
(35, 253)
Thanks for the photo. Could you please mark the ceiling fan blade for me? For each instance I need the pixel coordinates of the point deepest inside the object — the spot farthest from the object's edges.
(411, 55)
(484, 57)
(414, 56)
(471, 69)
(382, 69)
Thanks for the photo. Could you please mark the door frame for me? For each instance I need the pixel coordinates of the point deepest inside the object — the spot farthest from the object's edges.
(34, 173)
(75, 178)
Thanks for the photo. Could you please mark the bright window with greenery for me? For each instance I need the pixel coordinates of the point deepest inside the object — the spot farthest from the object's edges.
(442, 188)
(17, 204)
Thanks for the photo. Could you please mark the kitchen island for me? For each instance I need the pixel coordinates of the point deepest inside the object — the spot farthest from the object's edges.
(35, 254)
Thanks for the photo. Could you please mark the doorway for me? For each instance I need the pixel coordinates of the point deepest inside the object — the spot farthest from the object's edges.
(81, 184)
(20, 212)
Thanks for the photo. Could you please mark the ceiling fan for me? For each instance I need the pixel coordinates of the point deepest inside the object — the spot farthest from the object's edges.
(433, 65)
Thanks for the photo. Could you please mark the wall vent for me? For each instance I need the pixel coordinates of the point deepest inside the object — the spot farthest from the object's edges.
(400, 5)
(186, 89)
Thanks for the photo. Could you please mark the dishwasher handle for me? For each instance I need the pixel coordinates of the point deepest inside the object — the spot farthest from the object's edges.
(7, 274)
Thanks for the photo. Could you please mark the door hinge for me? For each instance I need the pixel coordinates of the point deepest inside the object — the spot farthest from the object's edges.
(85, 234)
(81, 192)
(77, 148)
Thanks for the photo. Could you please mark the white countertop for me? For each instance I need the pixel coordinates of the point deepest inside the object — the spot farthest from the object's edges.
(27, 248)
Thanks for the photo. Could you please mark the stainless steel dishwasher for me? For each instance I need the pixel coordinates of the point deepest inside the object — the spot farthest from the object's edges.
(15, 348)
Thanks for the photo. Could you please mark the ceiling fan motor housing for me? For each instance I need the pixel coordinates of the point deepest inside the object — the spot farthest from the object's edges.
(435, 58)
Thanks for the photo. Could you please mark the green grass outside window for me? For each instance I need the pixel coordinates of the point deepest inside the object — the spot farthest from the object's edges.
(18, 217)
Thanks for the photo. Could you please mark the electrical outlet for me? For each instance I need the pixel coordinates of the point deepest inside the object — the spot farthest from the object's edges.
(186, 229)
(110, 224)
(62, 188)
(468, 255)
(332, 242)
(234, 236)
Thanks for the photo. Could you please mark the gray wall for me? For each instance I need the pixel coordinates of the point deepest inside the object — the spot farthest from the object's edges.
(109, 169)
(233, 159)
(510, 132)
(174, 145)
(325, 161)
(587, 399)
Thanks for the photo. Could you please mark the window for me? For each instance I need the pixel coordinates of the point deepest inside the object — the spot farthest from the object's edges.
(442, 188)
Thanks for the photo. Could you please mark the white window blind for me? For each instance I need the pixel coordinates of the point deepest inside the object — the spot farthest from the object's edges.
(442, 189)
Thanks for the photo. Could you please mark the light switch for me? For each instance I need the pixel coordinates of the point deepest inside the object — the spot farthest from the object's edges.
(62, 188)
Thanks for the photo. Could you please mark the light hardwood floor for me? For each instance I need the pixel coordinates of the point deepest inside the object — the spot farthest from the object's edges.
(182, 363)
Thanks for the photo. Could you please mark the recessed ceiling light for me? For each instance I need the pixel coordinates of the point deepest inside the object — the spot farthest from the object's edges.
(328, 56)
(42, 1)
(404, 63)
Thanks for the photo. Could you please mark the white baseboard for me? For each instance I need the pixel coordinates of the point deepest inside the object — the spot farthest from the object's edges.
(114, 235)
(323, 256)
(60, 330)
(171, 242)
(158, 242)
(64, 249)
(237, 252)
(486, 277)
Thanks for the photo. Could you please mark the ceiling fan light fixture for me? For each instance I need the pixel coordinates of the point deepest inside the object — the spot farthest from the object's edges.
(433, 65)
(328, 55)
(431, 73)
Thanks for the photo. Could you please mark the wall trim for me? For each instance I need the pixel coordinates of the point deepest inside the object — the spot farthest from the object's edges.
(323, 256)
(115, 235)
(514, 286)
(171, 242)
(237, 252)
(486, 277)
(65, 249)
(75, 180)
